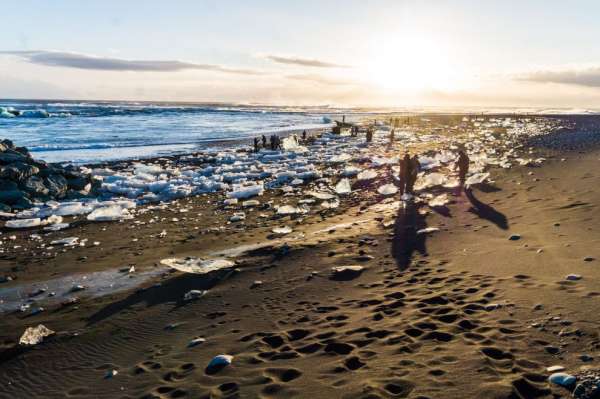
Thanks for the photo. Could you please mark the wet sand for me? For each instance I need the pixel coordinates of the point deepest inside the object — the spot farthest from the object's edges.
(463, 312)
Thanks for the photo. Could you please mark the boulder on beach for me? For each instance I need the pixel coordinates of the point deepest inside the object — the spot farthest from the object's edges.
(24, 180)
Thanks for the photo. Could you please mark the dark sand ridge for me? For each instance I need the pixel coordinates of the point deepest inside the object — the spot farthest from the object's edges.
(448, 315)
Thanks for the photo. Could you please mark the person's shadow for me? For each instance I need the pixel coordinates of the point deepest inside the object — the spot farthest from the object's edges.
(407, 238)
(485, 211)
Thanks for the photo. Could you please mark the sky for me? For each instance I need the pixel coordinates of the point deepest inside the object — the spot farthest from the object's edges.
(345, 52)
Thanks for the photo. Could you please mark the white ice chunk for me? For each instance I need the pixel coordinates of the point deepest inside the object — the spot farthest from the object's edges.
(439, 200)
(477, 178)
(387, 189)
(246, 191)
(109, 213)
(343, 187)
(367, 175)
(35, 335)
(282, 230)
(291, 210)
(197, 265)
(23, 223)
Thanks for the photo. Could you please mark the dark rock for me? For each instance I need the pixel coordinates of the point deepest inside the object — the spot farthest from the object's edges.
(57, 185)
(23, 151)
(18, 171)
(78, 183)
(12, 197)
(7, 185)
(9, 156)
(23, 203)
(7, 144)
(34, 185)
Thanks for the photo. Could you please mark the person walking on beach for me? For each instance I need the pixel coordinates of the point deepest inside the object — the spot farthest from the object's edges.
(304, 136)
(369, 134)
(264, 141)
(404, 173)
(256, 144)
(463, 166)
(392, 136)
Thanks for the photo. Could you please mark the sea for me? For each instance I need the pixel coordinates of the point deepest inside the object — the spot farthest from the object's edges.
(97, 131)
(89, 132)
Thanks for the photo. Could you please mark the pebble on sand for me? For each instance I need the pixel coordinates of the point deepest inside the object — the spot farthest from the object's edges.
(563, 379)
(573, 277)
(346, 272)
(193, 295)
(218, 363)
(514, 237)
(196, 342)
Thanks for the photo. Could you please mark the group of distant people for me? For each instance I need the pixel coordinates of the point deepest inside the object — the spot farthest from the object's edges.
(409, 166)
(274, 142)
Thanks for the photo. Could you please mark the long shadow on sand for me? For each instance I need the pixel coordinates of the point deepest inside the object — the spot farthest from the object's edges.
(406, 239)
(485, 211)
(169, 291)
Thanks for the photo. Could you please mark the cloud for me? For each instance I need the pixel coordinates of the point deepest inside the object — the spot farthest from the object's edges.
(307, 62)
(90, 62)
(583, 76)
(326, 80)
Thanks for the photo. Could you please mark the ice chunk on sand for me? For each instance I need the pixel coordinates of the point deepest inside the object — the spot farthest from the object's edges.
(428, 230)
(367, 175)
(430, 180)
(282, 230)
(23, 223)
(35, 335)
(439, 200)
(197, 265)
(343, 187)
(67, 241)
(477, 178)
(237, 217)
(320, 195)
(109, 213)
(291, 143)
(194, 294)
(340, 158)
(387, 189)
(291, 210)
(246, 191)
(56, 227)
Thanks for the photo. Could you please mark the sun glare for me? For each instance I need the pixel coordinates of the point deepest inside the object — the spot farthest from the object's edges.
(410, 62)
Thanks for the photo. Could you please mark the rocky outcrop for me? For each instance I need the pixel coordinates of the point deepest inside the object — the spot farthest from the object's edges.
(24, 180)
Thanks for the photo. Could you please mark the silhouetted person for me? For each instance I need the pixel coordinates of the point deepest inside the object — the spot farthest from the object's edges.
(392, 136)
(413, 171)
(463, 166)
(404, 173)
(272, 139)
(256, 144)
(304, 135)
(369, 134)
(264, 141)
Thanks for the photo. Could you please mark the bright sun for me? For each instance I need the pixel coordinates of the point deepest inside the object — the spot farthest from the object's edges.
(409, 63)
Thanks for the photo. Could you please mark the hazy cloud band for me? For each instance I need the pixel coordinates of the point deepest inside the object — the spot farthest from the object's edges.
(83, 61)
(588, 77)
(307, 62)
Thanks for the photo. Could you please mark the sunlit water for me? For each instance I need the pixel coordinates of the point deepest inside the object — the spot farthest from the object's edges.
(89, 132)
